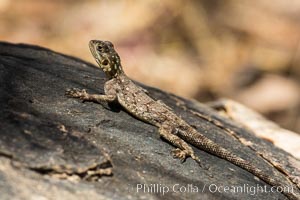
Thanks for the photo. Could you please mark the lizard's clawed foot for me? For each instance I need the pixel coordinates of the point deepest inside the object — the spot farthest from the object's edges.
(76, 93)
(183, 154)
(180, 154)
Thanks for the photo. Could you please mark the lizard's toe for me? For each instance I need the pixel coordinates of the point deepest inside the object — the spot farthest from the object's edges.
(194, 157)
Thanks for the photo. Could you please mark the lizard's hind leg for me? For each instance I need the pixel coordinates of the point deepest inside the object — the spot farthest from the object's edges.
(183, 149)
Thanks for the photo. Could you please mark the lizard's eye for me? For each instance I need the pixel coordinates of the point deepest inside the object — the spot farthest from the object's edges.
(105, 62)
(99, 48)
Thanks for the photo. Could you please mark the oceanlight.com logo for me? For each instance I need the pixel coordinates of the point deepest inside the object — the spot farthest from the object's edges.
(162, 189)
(248, 189)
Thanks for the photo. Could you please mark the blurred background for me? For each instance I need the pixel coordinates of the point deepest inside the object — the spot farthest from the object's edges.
(247, 51)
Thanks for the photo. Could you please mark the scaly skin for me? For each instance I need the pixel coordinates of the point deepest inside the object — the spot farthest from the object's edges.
(170, 126)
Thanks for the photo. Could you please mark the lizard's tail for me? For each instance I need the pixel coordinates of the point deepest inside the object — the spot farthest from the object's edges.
(197, 139)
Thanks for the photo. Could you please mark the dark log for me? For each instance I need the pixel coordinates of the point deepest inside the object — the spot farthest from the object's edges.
(57, 147)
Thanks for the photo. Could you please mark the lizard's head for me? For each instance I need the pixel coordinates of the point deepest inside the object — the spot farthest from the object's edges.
(106, 57)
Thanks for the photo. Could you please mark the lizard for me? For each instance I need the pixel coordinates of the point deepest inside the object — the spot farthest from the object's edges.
(136, 101)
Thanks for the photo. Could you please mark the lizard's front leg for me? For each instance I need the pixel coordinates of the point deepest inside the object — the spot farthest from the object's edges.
(82, 94)
(184, 150)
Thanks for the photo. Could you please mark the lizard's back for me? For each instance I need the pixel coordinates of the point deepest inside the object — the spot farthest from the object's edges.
(134, 99)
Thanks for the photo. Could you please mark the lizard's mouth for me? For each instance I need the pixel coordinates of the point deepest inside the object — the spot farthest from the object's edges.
(93, 49)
